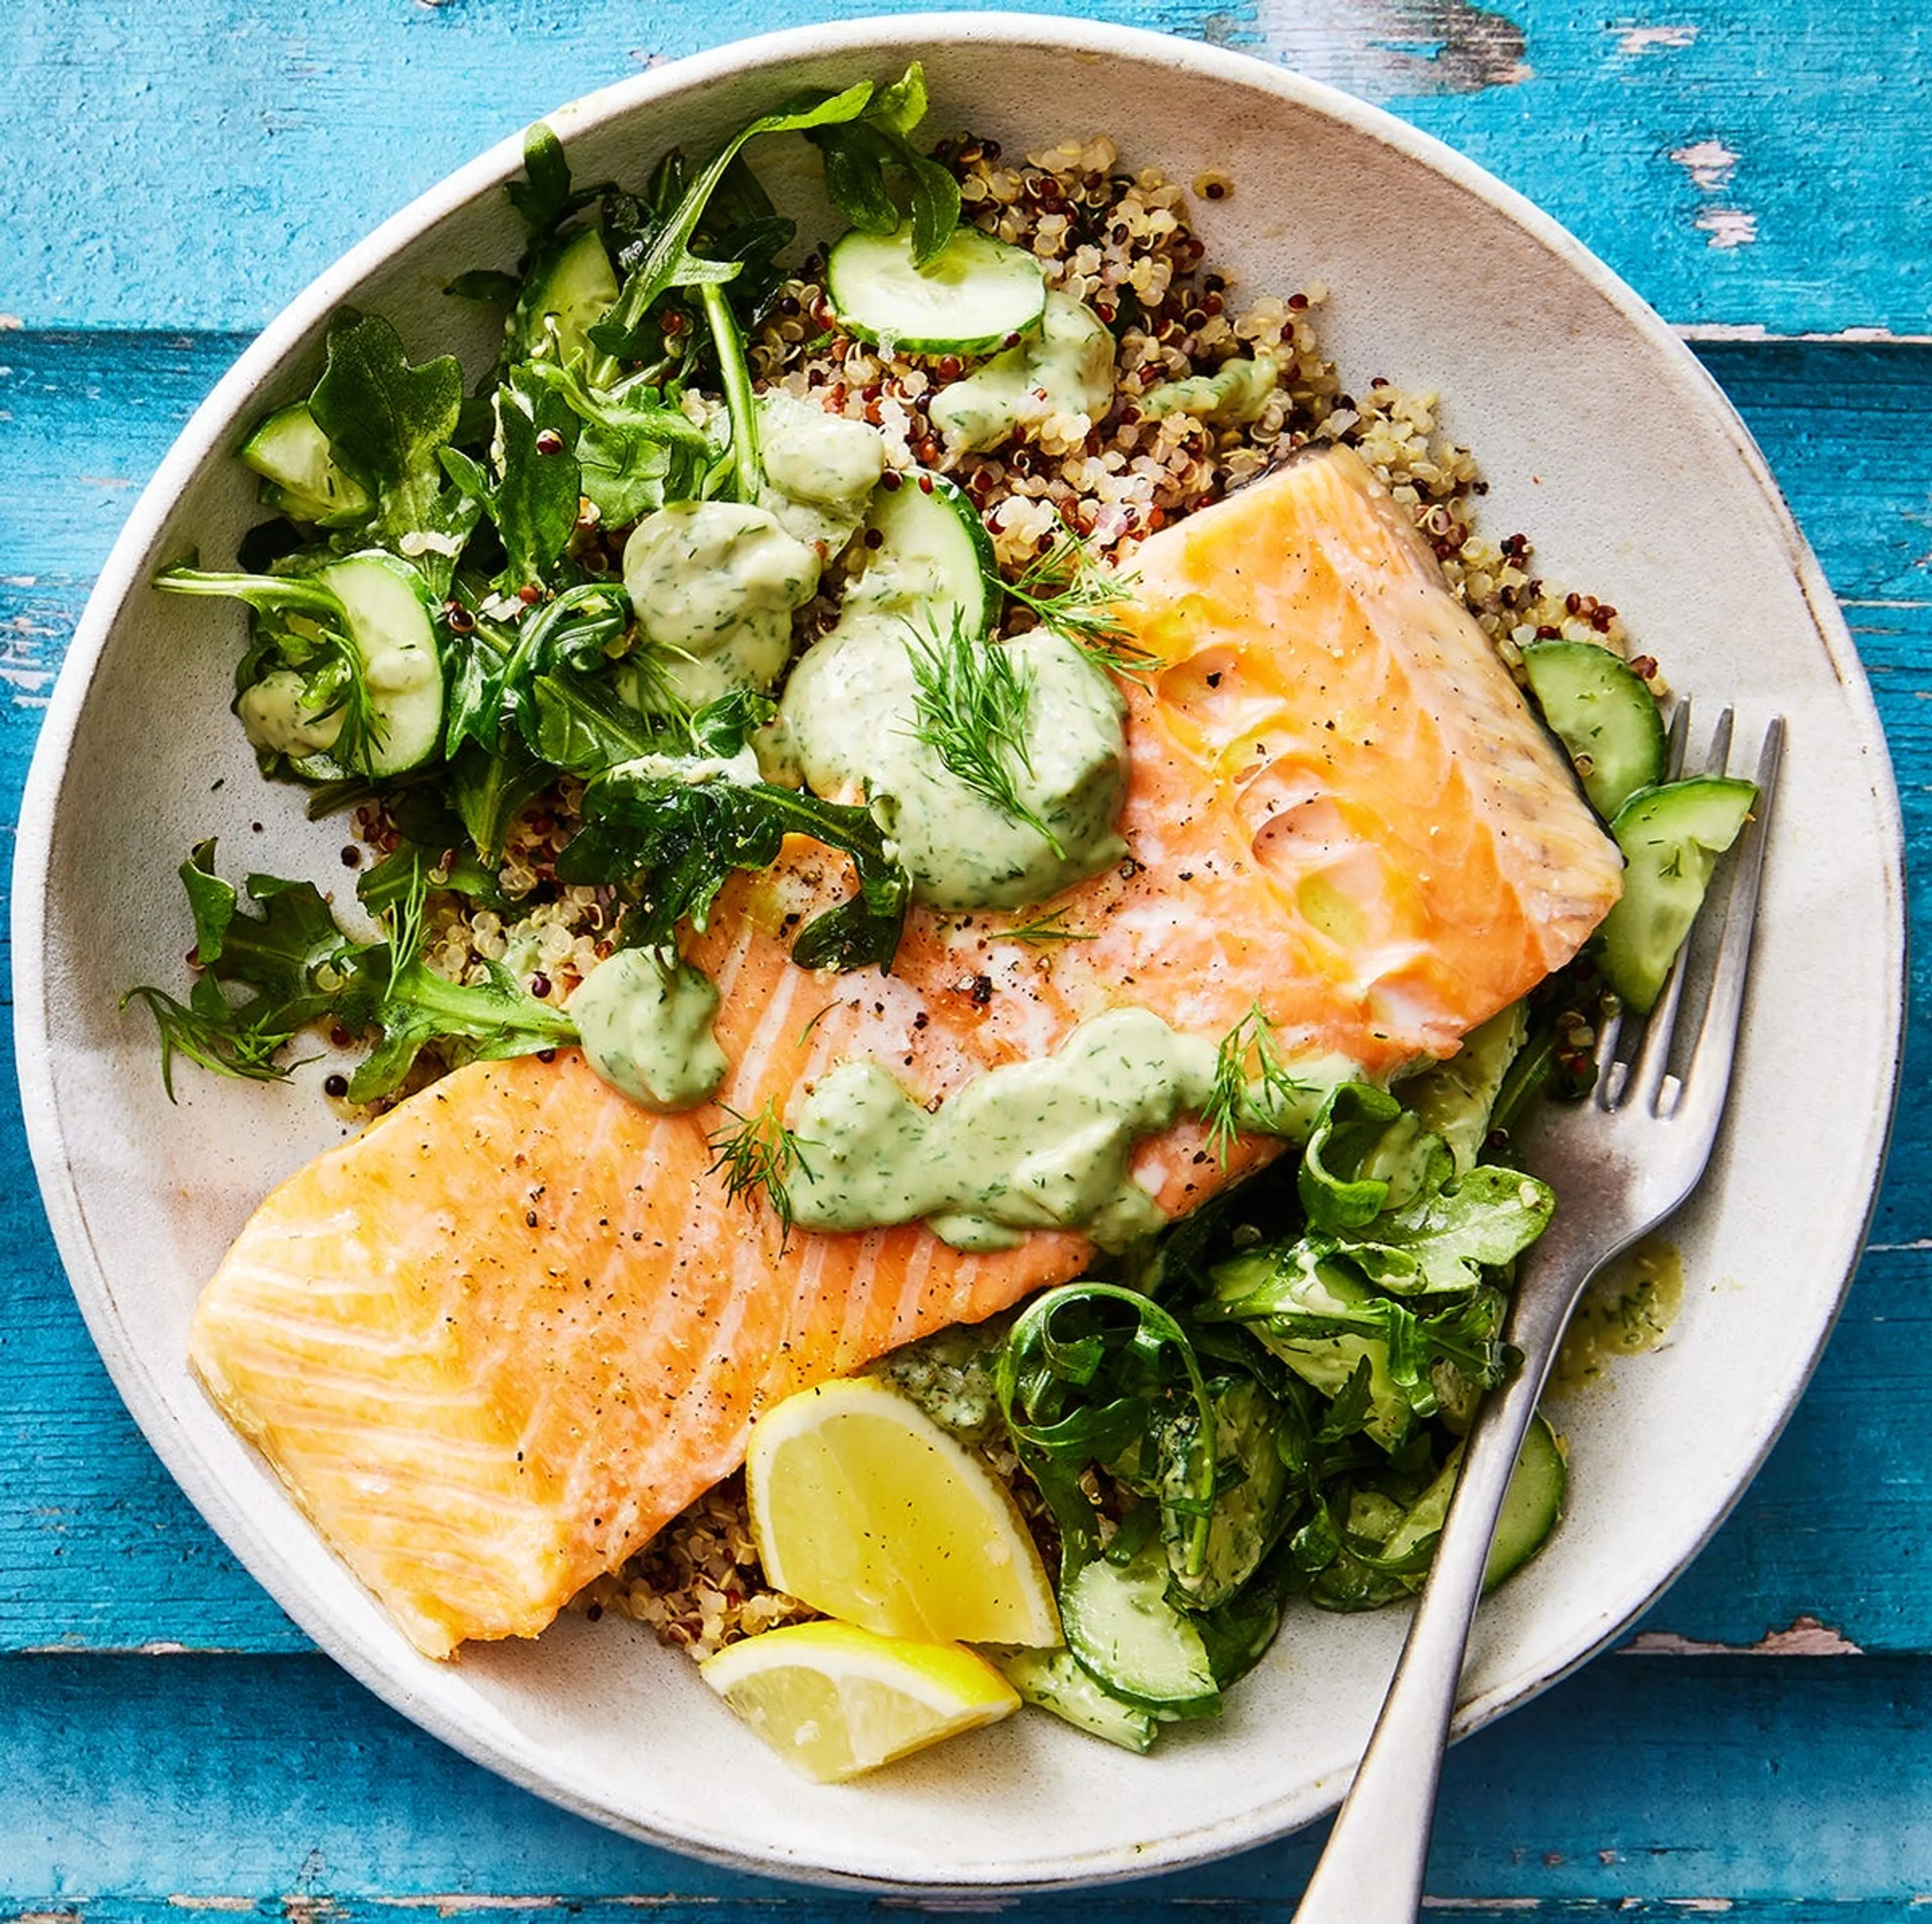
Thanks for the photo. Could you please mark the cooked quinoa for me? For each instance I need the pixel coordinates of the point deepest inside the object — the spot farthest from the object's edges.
(1122, 242)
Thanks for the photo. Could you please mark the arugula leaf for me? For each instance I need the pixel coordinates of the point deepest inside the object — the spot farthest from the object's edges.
(676, 838)
(579, 726)
(1442, 1242)
(386, 421)
(666, 261)
(543, 195)
(276, 958)
(414, 1006)
(634, 450)
(534, 504)
(1334, 1193)
(1093, 1374)
(875, 177)
(293, 966)
(489, 791)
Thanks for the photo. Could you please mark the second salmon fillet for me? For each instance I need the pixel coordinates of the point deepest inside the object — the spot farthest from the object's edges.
(495, 1343)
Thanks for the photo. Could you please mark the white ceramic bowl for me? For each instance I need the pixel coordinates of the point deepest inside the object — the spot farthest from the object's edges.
(1601, 437)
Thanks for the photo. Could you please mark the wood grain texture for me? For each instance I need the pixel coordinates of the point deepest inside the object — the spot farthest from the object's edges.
(98, 1549)
(209, 1783)
(1742, 168)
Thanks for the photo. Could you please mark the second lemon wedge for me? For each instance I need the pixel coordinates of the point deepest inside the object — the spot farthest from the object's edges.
(865, 1508)
(834, 1701)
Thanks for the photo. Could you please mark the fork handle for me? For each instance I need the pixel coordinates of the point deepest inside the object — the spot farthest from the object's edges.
(1371, 1870)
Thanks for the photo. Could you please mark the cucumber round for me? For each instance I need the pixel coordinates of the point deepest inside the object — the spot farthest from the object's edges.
(1599, 709)
(978, 294)
(934, 561)
(291, 454)
(571, 289)
(1122, 1626)
(388, 612)
(1531, 1505)
(1671, 838)
(1056, 1681)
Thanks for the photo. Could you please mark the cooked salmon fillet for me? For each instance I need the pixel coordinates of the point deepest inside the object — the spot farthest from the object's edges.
(494, 1344)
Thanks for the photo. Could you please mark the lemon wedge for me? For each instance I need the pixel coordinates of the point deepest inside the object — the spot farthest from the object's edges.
(865, 1508)
(833, 1701)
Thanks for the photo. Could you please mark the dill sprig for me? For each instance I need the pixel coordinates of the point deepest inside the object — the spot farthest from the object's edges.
(1048, 927)
(756, 1155)
(1238, 1099)
(970, 703)
(1069, 591)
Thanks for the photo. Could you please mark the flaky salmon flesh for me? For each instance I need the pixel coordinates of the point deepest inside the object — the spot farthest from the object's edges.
(497, 1341)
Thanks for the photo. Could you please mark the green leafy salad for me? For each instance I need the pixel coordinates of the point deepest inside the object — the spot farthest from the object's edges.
(576, 592)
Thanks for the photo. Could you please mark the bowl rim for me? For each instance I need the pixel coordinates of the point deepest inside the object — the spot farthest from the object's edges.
(205, 437)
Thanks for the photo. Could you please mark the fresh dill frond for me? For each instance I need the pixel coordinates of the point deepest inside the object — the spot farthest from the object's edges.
(1070, 592)
(1049, 928)
(970, 704)
(757, 1155)
(1239, 1100)
(804, 1034)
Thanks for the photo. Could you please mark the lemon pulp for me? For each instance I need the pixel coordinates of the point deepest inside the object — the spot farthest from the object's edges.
(834, 1700)
(865, 1508)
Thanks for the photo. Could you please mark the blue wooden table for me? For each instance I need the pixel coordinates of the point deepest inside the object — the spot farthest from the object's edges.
(169, 174)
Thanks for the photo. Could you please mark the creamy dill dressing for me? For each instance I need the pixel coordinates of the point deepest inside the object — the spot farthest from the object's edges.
(1234, 394)
(820, 469)
(714, 584)
(1030, 1145)
(644, 1018)
(850, 720)
(1067, 367)
(274, 715)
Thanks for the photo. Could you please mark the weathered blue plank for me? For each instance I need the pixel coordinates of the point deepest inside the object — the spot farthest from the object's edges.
(802, 1906)
(1738, 174)
(192, 1779)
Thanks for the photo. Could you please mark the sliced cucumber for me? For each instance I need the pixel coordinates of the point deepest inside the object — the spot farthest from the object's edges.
(1121, 1625)
(977, 295)
(1532, 1504)
(1532, 1507)
(934, 560)
(1056, 1681)
(1671, 838)
(1251, 1480)
(1599, 708)
(291, 454)
(565, 295)
(388, 611)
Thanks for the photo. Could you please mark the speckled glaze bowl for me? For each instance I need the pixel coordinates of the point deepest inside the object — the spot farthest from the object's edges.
(1600, 435)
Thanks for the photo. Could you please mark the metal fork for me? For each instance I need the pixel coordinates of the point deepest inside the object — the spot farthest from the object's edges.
(1620, 1163)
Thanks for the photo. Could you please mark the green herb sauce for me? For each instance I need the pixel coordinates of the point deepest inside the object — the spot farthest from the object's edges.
(1067, 367)
(276, 715)
(645, 1017)
(820, 469)
(1031, 1145)
(714, 584)
(1628, 1309)
(849, 716)
(1236, 392)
